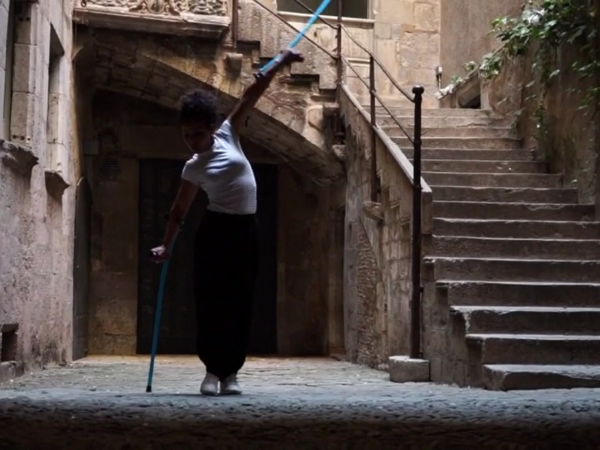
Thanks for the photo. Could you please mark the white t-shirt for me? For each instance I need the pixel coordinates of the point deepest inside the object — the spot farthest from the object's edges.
(224, 173)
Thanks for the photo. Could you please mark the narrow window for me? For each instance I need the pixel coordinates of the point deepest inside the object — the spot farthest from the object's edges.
(7, 47)
(356, 9)
(55, 100)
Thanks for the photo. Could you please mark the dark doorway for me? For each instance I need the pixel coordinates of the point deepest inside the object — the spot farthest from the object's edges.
(159, 180)
(81, 268)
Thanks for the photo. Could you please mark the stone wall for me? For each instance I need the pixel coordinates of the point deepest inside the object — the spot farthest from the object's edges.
(403, 34)
(308, 262)
(377, 260)
(568, 140)
(37, 204)
(465, 32)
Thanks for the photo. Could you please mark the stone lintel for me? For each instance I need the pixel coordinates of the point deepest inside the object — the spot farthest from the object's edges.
(183, 24)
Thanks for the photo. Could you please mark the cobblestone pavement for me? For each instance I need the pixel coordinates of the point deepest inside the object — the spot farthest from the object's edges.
(100, 403)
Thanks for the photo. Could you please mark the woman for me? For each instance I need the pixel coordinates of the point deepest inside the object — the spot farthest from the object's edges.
(226, 248)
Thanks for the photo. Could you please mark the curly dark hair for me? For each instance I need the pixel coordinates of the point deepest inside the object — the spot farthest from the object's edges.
(198, 105)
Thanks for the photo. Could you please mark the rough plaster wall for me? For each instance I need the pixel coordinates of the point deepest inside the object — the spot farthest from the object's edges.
(36, 261)
(570, 146)
(305, 242)
(367, 281)
(465, 31)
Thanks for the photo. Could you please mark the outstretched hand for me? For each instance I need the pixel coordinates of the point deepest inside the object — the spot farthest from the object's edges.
(159, 254)
(290, 56)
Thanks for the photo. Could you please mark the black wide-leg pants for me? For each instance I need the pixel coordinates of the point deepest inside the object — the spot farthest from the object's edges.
(225, 271)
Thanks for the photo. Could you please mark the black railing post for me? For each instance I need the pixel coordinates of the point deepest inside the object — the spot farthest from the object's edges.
(417, 289)
(340, 63)
(235, 22)
(372, 92)
(340, 74)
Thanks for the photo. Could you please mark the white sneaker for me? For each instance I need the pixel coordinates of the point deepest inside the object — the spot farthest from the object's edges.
(230, 386)
(210, 385)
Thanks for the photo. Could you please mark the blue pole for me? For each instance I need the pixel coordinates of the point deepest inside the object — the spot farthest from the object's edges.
(158, 313)
(300, 35)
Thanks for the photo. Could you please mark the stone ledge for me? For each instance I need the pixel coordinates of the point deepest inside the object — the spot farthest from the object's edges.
(462, 94)
(234, 62)
(406, 370)
(9, 370)
(184, 24)
(373, 210)
(55, 183)
(18, 158)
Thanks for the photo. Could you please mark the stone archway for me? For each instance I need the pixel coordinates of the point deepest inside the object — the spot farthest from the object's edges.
(287, 120)
(138, 79)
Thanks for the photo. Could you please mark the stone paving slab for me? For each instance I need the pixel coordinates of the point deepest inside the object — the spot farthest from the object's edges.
(100, 403)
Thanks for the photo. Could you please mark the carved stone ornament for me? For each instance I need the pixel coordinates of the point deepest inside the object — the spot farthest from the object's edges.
(373, 210)
(163, 7)
(55, 183)
(18, 158)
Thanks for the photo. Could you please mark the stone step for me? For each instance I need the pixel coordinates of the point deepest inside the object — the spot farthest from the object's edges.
(474, 154)
(462, 246)
(519, 293)
(528, 319)
(504, 195)
(445, 121)
(472, 166)
(512, 211)
(461, 143)
(536, 348)
(516, 228)
(492, 179)
(432, 131)
(515, 269)
(512, 377)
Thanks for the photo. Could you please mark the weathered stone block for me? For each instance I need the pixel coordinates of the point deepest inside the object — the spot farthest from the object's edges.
(25, 71)
(427, 17)
(27, 25)
(3, 35)
(23, 113)
(383, 30)
(405, 370)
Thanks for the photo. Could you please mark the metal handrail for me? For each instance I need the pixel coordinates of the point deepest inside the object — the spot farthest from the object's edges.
(383, 105)
(316, 44)
(416, 141)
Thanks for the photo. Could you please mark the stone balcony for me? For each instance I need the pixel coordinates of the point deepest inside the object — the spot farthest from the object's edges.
(207, 19)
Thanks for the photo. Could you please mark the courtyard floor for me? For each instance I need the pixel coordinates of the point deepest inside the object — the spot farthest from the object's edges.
(101, 403)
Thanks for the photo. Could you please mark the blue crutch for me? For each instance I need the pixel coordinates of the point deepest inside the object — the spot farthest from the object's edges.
(158, 312)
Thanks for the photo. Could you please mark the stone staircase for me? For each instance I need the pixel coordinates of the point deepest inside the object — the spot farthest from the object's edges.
(515, 258)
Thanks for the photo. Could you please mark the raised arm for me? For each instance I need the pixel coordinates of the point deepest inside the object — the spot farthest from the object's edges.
(252, 94)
